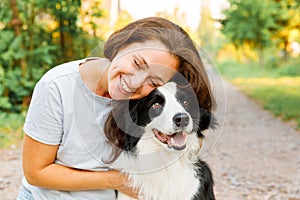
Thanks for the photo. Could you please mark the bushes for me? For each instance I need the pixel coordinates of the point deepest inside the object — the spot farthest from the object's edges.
(11, 128)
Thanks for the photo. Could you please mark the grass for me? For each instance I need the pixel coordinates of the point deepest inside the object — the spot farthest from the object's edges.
(277, 89)
(11, 131)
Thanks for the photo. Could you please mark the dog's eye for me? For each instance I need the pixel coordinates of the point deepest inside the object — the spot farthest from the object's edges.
(156, 105)
(185, 103)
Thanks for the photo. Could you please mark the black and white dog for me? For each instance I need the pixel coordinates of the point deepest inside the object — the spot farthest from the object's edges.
(157, 141)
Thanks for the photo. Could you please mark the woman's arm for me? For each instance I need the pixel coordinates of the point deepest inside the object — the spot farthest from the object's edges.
(40, 170)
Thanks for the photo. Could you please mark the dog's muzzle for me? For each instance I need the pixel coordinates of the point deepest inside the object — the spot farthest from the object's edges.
(181, 120)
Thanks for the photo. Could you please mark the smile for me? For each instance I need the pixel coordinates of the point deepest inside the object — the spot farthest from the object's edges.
(124, 85)
(176, 140)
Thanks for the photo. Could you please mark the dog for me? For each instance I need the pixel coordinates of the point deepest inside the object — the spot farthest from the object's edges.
(157, 140)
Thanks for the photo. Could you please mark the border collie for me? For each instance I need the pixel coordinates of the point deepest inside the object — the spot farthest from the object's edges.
(157, 140)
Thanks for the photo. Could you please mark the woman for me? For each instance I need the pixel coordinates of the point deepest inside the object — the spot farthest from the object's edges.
(64, 144)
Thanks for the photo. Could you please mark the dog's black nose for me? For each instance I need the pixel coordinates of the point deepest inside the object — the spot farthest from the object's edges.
(181, 120)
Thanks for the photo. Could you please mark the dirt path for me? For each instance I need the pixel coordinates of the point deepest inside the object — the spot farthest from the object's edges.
(257, 157)
(10, 173)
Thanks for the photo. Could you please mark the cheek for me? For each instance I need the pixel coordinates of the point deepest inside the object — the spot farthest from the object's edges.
(142, 92)
(111, 75)
(112, 83)
(121, 65)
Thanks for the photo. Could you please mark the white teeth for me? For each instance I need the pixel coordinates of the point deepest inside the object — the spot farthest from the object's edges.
(172, 140)
(124, 85)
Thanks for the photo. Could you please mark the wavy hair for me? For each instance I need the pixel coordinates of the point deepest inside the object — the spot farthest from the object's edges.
(177, 42)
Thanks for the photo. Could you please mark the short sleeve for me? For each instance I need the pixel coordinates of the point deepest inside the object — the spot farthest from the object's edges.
(44, 120)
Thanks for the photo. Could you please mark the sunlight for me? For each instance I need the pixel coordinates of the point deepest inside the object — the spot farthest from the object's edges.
(191, 9)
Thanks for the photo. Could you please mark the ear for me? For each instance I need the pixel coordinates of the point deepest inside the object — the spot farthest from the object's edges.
(119, 128)
(207, 120)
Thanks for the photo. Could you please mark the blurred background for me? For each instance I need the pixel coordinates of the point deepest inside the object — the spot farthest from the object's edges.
(255, 44)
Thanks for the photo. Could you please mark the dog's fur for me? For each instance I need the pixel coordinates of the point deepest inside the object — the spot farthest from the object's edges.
(162, 168)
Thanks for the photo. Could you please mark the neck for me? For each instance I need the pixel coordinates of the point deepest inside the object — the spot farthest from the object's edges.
(101, 88)
(94, 76)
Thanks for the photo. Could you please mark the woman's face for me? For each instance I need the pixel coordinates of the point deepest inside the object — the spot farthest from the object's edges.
(139, 68)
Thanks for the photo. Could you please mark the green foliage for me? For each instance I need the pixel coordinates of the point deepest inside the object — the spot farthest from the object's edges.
(231, 69)
(15, 83)
(279, 95)
(210, 38)
(34, 36)
(291, 68)
(258, 25)
(249, 22)
(11, 128)
(288, 20)
(270, 86)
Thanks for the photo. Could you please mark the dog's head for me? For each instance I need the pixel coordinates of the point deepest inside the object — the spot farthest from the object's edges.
(166, 117)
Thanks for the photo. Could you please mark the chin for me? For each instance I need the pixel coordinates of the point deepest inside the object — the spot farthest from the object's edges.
(157, 140)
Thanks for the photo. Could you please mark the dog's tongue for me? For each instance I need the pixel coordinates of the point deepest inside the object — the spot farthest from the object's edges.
(177, 141)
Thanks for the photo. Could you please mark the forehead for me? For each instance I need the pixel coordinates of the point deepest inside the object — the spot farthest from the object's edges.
(153, 52)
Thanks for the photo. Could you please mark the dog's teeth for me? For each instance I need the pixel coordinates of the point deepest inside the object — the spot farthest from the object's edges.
(172, 140)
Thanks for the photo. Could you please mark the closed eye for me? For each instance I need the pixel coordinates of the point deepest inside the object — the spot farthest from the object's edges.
(140, 62)
(137, 65)
(153, 83)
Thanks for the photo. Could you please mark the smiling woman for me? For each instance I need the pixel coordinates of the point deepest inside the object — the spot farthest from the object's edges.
(139, 68)
(64, 134)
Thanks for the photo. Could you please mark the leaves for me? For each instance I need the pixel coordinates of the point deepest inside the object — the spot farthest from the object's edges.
(47, 33)
(258, 25)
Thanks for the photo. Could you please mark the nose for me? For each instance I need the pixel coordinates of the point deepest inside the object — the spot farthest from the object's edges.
(181, 120)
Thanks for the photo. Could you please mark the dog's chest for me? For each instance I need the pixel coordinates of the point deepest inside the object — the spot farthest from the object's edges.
(177, 181)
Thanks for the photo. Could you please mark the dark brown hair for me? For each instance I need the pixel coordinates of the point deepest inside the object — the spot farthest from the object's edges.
(178, 43)
(176, 40)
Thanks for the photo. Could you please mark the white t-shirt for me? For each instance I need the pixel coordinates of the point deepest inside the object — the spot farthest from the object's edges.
(64, 112)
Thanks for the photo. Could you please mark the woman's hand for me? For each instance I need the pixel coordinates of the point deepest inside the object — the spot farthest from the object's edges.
(122, 184)
(41, 170)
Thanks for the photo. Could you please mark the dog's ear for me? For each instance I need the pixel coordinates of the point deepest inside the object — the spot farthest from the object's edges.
(180, 80)
(207, 120)
(120, 130)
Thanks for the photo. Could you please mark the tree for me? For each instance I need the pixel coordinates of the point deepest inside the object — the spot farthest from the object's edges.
(208, 34)
(248, 25)
(65, 13)
(288, 23)
(34, 36)
(21, 61)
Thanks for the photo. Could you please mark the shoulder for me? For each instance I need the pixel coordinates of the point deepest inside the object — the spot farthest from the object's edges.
(62, 70)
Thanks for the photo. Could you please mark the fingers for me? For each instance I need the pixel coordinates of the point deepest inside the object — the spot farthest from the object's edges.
(124, 185)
